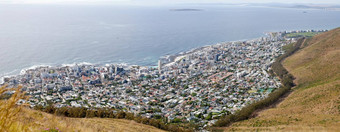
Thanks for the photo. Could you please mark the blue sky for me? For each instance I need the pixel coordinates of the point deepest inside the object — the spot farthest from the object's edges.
(160, 2)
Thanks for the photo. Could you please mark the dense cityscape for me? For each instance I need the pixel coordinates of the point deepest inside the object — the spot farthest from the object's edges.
(200, 85)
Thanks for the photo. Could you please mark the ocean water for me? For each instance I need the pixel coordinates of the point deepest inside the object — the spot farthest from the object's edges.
(33, 35)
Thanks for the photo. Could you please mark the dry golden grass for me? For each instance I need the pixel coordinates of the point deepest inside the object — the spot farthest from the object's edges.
(9, 110)
(39, 121)
(314, 105)
(317, 62)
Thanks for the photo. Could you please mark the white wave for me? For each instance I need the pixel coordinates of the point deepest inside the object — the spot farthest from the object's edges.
(113, 64)
(2, 80)
(77, 64)
(23, 71)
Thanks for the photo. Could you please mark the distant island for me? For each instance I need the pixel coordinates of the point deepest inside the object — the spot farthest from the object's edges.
(186, 10)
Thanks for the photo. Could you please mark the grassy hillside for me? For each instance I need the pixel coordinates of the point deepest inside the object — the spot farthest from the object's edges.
(39, 121)
(314, 104)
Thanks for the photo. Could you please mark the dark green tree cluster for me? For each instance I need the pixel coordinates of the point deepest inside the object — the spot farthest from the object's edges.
(286, 80)
(279, 70)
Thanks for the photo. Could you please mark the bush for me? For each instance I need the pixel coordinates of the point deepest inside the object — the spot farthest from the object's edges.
(121, 115)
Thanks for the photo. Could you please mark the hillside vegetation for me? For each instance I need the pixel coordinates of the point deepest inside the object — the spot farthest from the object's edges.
(314, 104)
(39, 121)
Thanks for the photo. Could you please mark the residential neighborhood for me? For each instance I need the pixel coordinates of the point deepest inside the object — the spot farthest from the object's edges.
(199, 86)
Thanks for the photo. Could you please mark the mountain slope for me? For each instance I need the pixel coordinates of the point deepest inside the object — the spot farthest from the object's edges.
(314, 104)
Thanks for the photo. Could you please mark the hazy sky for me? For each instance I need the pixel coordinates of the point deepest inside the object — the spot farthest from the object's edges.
(156, 2)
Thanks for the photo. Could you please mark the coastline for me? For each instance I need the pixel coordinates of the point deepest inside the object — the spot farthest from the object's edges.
(19, 71)
(167, 60)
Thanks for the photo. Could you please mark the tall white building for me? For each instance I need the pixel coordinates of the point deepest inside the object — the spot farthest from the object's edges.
(159, 66)
(116, 69)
